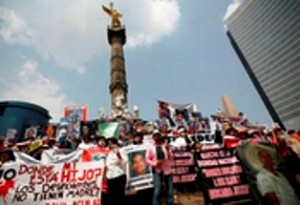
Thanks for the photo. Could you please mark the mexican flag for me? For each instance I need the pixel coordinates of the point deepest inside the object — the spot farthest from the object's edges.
(109, 129)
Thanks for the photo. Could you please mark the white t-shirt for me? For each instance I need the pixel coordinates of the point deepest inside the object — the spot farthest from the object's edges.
(214, 125)
(115, 166)
(179, 142)
(268, 182)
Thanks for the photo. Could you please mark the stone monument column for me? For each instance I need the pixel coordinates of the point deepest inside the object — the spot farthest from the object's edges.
(118, 85)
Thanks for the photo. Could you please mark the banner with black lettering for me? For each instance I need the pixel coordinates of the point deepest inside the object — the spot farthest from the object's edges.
(55, 156)
(68, 183)
(222, 176)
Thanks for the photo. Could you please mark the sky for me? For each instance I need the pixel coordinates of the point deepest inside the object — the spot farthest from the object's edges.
(55, 53)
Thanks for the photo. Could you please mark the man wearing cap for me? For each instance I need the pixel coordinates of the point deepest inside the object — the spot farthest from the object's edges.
(159, 156)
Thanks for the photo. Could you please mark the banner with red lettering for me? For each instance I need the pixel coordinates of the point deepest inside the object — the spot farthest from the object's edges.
(68, 183)
(184, 166)
(223, 177)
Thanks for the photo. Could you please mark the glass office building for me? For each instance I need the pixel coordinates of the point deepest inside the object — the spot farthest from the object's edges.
(266, 37)
(17, 115)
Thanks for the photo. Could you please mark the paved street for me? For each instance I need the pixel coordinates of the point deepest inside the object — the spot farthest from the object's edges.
(187, 198)
(195, 198)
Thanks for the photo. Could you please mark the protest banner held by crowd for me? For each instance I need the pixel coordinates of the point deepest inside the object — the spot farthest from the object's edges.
(91, 161)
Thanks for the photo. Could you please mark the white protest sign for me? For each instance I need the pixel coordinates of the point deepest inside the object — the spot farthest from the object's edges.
(69, 183)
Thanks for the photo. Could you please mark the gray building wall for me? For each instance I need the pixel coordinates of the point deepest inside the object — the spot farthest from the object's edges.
(267, 35)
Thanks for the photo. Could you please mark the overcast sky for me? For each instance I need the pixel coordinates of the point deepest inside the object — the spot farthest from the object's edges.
(55, 53)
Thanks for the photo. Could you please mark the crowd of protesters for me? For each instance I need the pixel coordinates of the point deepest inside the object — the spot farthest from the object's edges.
(224, 131)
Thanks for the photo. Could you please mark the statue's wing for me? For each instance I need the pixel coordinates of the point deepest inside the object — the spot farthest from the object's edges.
(119, 14)
(107, 10)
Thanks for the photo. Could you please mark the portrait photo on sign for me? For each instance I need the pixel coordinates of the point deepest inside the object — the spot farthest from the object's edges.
(31, 132)
(138, 168)
(75, 115)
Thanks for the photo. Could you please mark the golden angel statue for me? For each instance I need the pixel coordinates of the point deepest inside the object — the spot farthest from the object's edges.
(114, 14)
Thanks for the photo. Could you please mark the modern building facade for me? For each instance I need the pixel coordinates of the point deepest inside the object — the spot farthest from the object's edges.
(266, 37)
(17, 115)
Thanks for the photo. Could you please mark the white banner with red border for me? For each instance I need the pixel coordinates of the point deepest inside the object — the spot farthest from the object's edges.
(70, 183)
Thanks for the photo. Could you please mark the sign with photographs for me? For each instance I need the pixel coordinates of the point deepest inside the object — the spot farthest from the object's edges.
(67, 183)
(139, 173)
(76, 113)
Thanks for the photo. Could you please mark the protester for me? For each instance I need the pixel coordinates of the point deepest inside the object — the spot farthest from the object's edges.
(280, 142)
(139, 168)
(125, 136)
(257, 136)
(272, 184)
(51, 142)
(159, 156)
(230, 138)
(195, 123)
(62, 147)
(138, 126)
(62, 141)
(138, 138)
(214, 124)
(115, 173)
(28, 140)
(197, 147)
(242, 134)
(181, 139)
(2, 146)
(10, 143)
(293, 142)
(100, 141)
(243, 119)
(99, 154)
(86, 139)
(6, 156)
(166, 132)
(164, 129)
